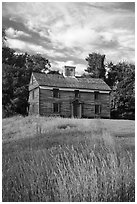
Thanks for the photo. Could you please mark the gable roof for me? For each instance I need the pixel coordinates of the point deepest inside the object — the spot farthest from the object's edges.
(54, 80)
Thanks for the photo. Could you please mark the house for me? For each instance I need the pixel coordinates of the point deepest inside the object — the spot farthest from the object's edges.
(68, 96)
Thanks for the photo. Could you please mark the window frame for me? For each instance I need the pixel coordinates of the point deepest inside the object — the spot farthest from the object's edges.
(58, 108)
(55, 93)
(77, 93)
(96, 95)
(99, 109)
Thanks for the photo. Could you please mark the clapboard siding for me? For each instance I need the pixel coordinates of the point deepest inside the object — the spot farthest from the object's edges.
(87, 97)
(33, 83)
(47, 100)
(87, 107)
(34, 101)
(89, 104)
(105, 103)
(65, 99)
(45, 107)
(43, 101)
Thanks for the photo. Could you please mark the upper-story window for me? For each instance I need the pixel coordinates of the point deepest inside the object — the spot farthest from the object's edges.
(77, 94)
(96, 95)
(56, 93)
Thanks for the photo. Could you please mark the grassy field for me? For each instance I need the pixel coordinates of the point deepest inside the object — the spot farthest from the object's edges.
(59, 159)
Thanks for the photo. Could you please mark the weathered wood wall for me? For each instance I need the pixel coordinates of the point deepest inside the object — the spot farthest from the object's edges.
(66, 99)
(88, 105)
(34, 102)
(105, 105)
(46, 101)
(33, 83)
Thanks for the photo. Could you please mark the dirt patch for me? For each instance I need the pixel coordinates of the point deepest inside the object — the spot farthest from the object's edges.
(66, 126)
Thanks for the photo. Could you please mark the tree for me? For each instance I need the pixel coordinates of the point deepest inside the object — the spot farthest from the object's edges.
(54, 72)
(38, 62)
(96, 67)
(112, 75)
(4, 39)
(16, 72)
(7, 89)
(124, 95)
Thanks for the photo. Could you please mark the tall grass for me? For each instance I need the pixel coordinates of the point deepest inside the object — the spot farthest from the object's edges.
(23, 127)
(96, 169)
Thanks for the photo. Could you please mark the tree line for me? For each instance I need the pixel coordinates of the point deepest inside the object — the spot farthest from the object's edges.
(121, 79)
(17, 69)
(16, 72)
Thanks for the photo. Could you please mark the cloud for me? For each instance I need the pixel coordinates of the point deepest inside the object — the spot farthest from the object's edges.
(32, 48)
(73, 36)
(69, 31)
(25, 46)
(10, 32)
(59, 65)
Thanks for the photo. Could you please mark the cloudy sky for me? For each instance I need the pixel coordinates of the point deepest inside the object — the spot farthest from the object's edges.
(67, 32)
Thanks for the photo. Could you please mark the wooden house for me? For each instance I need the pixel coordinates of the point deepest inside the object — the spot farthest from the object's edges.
(68, 96)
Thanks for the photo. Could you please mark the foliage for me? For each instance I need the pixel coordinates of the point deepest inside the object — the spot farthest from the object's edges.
(121, 79)
(96, 66)
(16, 72)
(48, 168)
(54, 72)
(17, 69)
(3, 37)
(122, 76)
(112, 75)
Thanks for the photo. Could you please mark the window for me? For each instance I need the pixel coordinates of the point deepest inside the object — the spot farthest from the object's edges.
(32, 94)
(96, 95)
(97, 109)
(77, 94)
(56, 93)
(56, 107)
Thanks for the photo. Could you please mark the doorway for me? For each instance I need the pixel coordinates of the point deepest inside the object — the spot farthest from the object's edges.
(76, 109)
(97, 111)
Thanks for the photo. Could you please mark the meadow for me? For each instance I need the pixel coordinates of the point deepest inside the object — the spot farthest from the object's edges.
(68, 160)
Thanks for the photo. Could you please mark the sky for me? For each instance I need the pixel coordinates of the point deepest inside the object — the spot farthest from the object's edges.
(66, 32)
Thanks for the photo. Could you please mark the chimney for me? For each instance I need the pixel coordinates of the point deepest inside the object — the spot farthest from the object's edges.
(69, 71)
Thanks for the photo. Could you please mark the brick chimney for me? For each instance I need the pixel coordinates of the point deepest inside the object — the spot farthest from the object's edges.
(69, 71)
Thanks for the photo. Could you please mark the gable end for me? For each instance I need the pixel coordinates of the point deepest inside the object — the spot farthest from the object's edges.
(33, 82)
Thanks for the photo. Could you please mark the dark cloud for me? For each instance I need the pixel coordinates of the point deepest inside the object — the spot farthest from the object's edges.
(130, 6)
(17, 25)
(111, 44)
(113, 6)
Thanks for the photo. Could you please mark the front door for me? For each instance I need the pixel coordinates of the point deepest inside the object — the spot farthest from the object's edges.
(76, 110)
(97, 111)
